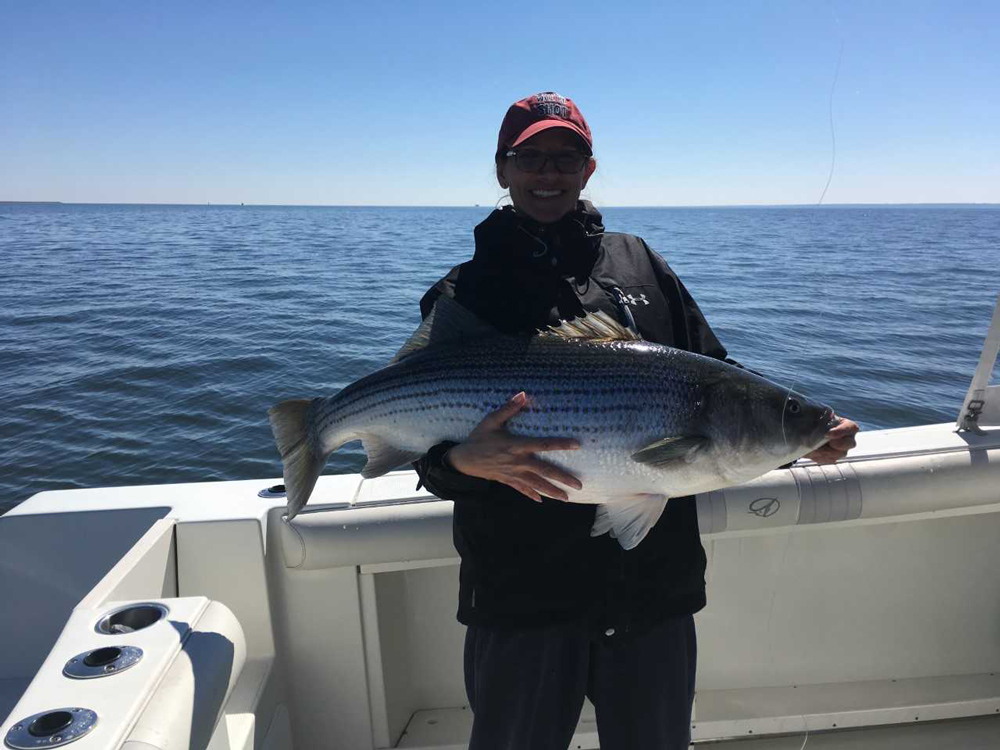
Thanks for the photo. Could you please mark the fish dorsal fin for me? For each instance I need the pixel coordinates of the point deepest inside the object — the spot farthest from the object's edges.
(671, 449)
(595, 326)
(448, 322)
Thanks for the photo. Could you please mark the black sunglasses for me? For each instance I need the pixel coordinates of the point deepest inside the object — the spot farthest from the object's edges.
(533, 160)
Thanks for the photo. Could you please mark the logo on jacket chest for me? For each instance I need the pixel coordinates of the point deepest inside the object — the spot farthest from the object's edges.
(635, 301)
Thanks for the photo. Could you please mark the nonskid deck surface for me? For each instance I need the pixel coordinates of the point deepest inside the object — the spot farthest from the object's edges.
(876, 714)
(979, 733)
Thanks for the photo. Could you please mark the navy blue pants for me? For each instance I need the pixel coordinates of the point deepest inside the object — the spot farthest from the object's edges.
(526, 686)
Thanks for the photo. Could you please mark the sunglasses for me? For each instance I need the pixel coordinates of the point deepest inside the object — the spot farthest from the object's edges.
(533, 160)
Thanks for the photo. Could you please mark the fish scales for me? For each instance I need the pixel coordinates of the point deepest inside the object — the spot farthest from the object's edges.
(484, 369)
(443, 394)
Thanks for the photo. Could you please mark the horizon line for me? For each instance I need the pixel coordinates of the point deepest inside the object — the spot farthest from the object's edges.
(478, 205)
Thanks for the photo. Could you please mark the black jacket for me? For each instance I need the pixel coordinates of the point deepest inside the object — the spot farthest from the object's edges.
(525, 563)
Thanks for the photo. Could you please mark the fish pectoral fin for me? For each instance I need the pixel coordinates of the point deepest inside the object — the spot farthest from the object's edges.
(629, 518)
(383, 457)
(671, 449)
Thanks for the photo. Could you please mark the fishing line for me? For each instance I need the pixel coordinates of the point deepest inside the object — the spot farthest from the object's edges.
(833, 133)
(784, 408)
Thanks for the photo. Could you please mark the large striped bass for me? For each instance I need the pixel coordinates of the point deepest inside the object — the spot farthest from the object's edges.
(653, 422)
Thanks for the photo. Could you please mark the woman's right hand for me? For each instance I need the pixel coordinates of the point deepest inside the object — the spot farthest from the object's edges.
(490, 452)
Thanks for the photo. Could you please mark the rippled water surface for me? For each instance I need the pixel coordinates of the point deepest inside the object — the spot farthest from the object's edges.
(144, 344)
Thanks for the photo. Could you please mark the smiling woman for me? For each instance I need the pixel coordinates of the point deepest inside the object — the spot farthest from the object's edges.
(556, 609)
(544, 161)
(545, 174)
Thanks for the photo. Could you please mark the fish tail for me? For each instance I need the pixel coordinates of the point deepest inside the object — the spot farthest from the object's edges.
(302, 462)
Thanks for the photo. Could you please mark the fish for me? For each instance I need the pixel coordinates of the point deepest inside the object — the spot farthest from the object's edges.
(652, 421)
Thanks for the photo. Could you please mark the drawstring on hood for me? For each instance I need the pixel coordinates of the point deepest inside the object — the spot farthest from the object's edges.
(570, 247)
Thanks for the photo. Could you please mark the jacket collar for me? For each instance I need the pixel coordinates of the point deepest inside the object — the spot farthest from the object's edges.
(569, 247)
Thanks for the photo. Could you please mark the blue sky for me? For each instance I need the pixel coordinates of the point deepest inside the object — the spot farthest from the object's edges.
(384, 103)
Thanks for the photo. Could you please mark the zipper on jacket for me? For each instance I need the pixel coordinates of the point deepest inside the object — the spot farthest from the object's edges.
(626, 315)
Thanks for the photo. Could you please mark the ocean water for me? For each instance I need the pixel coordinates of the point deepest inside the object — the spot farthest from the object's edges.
(144, 344)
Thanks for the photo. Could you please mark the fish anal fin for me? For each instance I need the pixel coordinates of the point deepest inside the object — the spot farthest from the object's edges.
(594, 326)
(448, 322)
(383, 457)
(671, 449)
(629, 518)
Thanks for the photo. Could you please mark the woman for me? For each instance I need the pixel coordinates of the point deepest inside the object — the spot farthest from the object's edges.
(554, 614)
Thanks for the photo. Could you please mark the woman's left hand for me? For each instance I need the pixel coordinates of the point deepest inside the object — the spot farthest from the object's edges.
(839, 440)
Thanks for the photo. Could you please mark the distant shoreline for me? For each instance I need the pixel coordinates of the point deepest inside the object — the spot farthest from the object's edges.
(484, 206)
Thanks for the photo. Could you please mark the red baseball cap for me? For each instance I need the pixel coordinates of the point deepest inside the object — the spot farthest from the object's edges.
(540, 112)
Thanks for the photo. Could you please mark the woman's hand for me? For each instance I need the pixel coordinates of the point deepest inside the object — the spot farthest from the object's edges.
(839, 440)
(490, 452)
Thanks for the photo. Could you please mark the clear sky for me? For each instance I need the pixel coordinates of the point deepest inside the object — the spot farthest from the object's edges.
(385, 103)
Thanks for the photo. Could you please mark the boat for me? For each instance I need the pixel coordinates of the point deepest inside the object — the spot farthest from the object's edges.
(852, 605)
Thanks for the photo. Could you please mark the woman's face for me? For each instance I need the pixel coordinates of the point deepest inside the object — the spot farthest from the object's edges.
(548, 195)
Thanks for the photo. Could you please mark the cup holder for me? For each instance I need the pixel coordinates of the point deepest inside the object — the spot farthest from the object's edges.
(101, 657)
(269, 493)
(102, 662)
(53, 728)
(131, 618)
(49, 724)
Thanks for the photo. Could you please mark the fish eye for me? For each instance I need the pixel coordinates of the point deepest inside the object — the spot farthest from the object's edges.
(794, 407)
